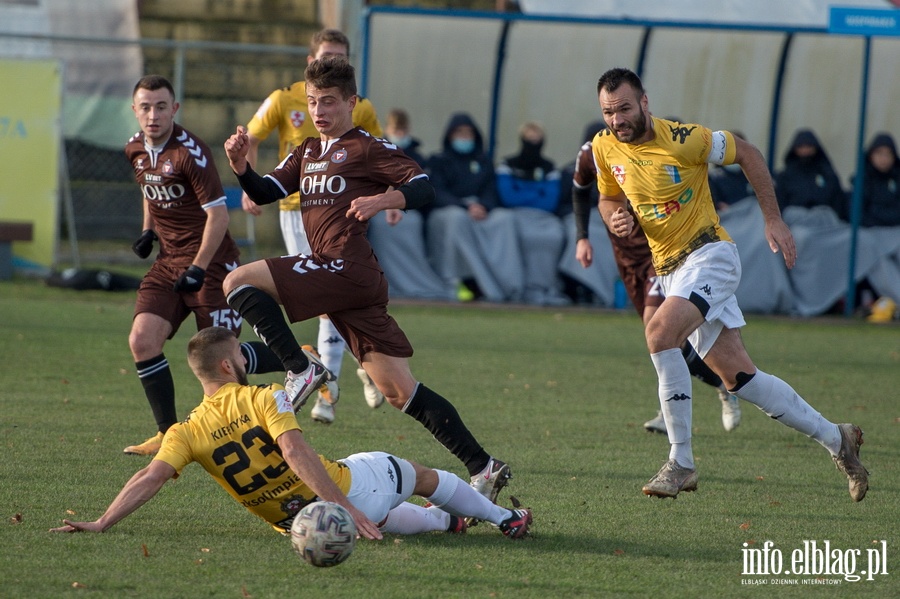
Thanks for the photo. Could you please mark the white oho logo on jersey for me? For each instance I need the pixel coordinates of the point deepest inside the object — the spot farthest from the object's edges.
(320, 184)
(163, 193)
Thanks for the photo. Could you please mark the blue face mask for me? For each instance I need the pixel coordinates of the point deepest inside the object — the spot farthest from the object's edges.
(401, 142)
(463, 146)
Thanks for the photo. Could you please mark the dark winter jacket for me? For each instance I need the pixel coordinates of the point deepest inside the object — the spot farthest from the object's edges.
(812, 181)
(456, 176)
(881, 191)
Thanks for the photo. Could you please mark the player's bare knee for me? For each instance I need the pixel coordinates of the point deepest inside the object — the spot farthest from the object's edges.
(232, 281)
(143, 346)
(658, 339)
(426, 480)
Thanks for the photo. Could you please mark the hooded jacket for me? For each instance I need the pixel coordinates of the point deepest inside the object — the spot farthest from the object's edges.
(812, 181)
(457, 178)
(881, 190)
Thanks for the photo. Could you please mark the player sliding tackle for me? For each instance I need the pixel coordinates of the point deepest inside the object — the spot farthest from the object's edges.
(248, 439)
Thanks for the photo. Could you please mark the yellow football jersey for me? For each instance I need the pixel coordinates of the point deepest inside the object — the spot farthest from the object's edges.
(666, 181)
(286, 111)
(233, 434)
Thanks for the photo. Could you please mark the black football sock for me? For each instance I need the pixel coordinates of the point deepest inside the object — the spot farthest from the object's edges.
(160, 390)
(698, 367)
(442, 420)
(265, 316)
(260, 358)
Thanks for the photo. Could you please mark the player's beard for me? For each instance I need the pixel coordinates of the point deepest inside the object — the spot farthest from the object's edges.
(241, 375)
(638, 129)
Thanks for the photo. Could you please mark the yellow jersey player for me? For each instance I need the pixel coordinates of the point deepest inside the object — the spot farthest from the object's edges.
(247, 438)
(286, 111)
(661, 168)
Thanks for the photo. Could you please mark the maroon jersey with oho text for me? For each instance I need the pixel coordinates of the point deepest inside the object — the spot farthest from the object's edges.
(330, 176)
(631, 251)
(179, 182)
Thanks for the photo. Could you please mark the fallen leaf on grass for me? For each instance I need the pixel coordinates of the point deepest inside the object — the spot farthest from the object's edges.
(144, 550)
(78, 585)
(745, 525)
(17, 519)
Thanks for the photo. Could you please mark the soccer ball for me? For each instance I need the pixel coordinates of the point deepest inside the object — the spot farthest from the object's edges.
(324, 534)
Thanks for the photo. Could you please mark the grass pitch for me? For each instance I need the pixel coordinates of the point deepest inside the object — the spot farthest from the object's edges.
(559, 394)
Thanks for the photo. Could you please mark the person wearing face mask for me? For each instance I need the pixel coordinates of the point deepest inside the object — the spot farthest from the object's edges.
(470, 236)
(397, 130)
(728, 184)
(400, 245)
(808, 178)
(528, 183)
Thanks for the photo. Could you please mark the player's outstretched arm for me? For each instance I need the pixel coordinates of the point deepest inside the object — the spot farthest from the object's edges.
(139, 490)
(754, 166)
(306, 464)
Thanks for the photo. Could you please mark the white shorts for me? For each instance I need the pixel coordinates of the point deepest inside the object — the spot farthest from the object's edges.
(294, 234)
(379, 482)
(708, 278)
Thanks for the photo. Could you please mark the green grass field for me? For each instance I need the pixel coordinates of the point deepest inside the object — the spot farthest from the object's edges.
(559, 394)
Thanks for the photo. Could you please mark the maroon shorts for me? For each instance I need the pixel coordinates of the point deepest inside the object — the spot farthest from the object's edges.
(641, 286)
(156, 296)
(354, 296)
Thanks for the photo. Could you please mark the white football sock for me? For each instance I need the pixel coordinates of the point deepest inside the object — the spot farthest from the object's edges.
(779, 400)
(455, 496)
(331, 346)
(675, 390)
(410, 519)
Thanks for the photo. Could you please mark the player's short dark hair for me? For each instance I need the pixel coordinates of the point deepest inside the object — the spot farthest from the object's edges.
(206, 348)
(613, 78)
(333, 36)
(332, 71)
(153, 83)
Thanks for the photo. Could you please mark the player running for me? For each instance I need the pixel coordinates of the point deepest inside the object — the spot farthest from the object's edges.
(633, 259)
(184, 210)
(660, 168)
(343, 177)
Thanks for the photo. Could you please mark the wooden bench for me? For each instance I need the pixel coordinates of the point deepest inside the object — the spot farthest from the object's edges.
(9, 232)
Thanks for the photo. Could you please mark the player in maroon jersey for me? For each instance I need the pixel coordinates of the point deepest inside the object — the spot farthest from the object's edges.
(343, 178)
(184, 209)
(635, 264)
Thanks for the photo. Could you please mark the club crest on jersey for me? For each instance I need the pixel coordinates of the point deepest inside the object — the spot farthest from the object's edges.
(167, 167)
(298, 117)
(339, 156)
(618, 171)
